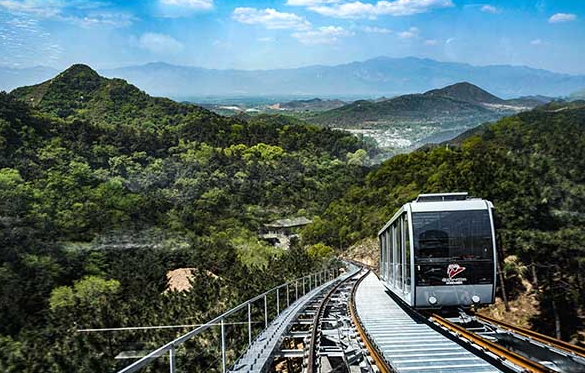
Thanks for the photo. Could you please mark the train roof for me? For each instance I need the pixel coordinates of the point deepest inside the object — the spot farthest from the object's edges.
(441, 202)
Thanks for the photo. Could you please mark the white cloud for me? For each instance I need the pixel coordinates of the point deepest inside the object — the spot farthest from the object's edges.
(25, 42)
(222, 44)
(270, 18)
(83, 13)
(101, 19)
(266, 39)
(377, 30)
(310, 2)
(159, 43)
(409, 34)
(450, 40)
(357, 9)
(562, 17)
(322, 35)
(490, 9)
(539, 43)
(431, 42)
(193, 4)
(48, 8)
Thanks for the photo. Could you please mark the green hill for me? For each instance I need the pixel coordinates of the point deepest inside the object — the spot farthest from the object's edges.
(79, 92)
(466, 92)
(455, 106)
(418, 108)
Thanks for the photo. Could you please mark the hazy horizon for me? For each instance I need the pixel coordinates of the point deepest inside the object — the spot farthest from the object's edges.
(161, 62)
(281, 34)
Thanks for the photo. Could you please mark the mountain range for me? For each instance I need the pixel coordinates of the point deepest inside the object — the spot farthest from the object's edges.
(460, 104)
(377, 76)
(314, 104)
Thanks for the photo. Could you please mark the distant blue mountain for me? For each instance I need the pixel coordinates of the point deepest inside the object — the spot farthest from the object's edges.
(11, 78)
(378, 76)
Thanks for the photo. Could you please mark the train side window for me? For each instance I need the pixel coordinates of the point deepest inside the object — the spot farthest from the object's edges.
(381, 245)
(407, 252)
(399, 255)
(382, 258)
(386, 257)
(393, 255)
(389, 254)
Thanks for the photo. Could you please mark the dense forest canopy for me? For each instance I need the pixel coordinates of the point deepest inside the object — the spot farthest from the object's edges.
(104, 189)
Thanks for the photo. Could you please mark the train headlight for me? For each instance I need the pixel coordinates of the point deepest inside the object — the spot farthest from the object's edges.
(475, 299)
(432, 300)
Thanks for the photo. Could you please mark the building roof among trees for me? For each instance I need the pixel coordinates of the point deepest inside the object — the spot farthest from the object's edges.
(289, 223)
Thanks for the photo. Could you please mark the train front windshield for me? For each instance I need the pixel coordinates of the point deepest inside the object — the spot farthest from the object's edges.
(453, 235)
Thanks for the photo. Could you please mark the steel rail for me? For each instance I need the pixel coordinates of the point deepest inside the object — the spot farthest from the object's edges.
(379, 360)
(169, 348)
(317, 321)
(492, 347)
(553, 342)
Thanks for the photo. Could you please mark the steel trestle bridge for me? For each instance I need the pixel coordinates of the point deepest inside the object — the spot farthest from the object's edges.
(347, 321)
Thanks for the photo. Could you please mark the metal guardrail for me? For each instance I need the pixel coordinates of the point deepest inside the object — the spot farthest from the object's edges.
(301, 286)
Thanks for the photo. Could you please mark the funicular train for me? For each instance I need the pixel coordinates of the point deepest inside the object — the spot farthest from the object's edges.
(440, 251)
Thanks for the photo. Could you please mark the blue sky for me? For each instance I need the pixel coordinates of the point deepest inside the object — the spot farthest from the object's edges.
(248, 34)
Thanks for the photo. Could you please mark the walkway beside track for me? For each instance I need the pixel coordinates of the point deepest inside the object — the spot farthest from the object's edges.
(408, 345)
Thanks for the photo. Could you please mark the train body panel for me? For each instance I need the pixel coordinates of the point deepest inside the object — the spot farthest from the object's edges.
(439, 251)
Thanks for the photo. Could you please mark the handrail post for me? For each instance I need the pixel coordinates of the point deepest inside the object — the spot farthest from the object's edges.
(296, 290)
(265, 312)
(249, 324)
(172, 359)
(223, 355)
(287, 297)
(277, 302)
(304, 292)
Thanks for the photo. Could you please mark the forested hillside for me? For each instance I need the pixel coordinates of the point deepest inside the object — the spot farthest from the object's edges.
(416, 108)
(104, 189)
(451, 106)
(532, 166)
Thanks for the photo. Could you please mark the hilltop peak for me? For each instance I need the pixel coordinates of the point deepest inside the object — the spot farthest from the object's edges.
(467, 92)
(80, 91)
(81, 76)
(79, 68)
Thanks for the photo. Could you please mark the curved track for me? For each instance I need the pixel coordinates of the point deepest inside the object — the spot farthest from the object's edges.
(332, 322)
(316, 329)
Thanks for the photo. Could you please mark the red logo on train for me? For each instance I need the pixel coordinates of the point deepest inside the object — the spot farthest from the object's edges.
(454, 269)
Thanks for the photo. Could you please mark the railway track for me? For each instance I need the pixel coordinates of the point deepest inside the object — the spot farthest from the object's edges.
(334, 344)
(525, 348)
(400, 339)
